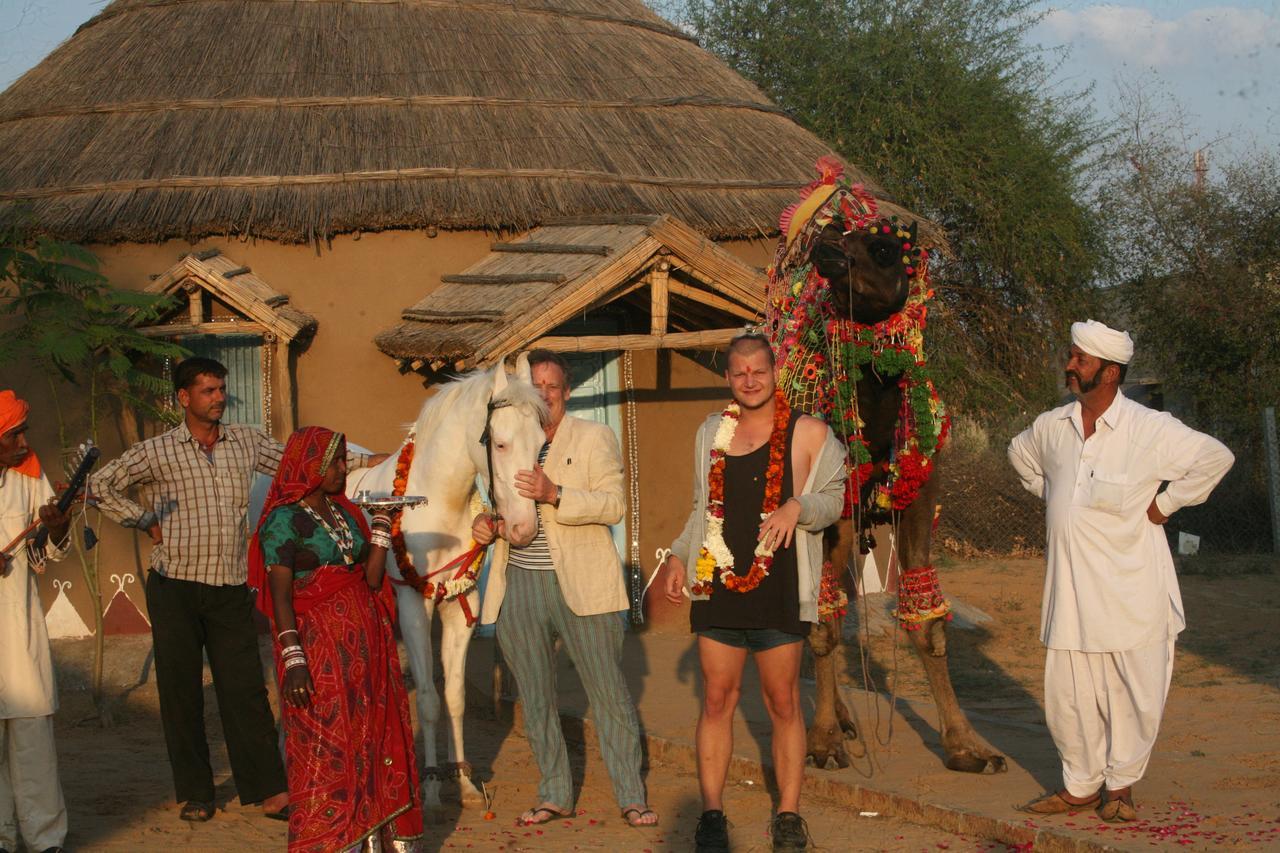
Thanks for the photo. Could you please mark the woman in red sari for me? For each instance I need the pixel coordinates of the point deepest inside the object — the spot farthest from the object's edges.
(319, 572)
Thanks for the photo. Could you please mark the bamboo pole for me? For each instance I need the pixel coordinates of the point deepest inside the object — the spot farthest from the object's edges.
(708, 339)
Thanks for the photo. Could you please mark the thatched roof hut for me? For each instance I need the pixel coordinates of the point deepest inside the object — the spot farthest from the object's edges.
(296, 121)
(455, 179)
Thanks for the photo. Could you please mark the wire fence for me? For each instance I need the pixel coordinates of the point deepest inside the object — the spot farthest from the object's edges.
(987, 512)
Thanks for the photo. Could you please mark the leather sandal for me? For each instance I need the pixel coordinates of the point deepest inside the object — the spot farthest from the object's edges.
(1054, 803)
(1118, 809)
(539, 815)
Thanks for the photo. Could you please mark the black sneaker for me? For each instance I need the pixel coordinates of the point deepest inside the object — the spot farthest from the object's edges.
(712, 835)
(790, 833)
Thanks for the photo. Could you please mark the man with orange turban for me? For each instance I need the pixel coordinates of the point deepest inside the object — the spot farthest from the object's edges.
(30, 794)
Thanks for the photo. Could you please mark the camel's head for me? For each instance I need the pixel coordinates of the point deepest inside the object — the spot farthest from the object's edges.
(867, 272)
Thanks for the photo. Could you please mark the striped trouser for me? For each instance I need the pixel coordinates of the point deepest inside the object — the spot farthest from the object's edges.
(533, 614)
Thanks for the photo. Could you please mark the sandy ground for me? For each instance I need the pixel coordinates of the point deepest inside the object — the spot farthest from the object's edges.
(1214, 778)
(1214, 781)
(118, 789)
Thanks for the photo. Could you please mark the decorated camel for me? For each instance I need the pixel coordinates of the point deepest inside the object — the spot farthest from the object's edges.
(846, 314)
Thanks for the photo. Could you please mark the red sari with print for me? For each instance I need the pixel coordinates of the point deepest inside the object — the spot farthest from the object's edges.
(349, 754)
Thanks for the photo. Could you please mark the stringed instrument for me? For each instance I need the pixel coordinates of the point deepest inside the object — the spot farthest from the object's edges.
(36, 532)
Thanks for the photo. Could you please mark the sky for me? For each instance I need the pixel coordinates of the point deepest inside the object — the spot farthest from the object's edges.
(1220, 61)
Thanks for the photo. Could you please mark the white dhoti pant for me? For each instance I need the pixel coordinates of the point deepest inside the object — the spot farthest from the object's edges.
(1104, 711)
(29, 785)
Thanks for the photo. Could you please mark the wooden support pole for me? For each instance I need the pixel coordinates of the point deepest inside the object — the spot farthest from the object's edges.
(658, 296)
(709, 339)
(195, 302)
(1272, 444)
(221, 328)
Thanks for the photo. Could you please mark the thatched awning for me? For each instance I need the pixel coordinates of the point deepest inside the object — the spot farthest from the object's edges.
(697, 294)
(254, 308)
(296, 121)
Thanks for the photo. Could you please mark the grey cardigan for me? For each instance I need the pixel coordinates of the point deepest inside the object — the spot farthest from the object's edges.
(821, 501)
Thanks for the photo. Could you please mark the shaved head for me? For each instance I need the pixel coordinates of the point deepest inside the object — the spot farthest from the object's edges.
(748, 344)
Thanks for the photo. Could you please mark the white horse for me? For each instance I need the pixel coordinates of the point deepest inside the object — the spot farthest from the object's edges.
(448, 455)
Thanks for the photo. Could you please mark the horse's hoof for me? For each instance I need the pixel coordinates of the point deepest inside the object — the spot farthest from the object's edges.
(472, 799)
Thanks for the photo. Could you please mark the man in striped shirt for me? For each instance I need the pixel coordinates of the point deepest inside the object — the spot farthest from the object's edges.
(195, 481)
(567, 583)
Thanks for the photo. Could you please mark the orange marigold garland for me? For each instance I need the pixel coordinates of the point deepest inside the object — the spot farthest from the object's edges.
(920, 598)
(833, 601)
(451, 587)
(715, 551)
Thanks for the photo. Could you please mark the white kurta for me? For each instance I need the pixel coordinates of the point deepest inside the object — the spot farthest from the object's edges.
(26, 672)
(1110, 584)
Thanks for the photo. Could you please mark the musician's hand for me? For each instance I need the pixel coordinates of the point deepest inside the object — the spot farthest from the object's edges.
(56, 522)
(154, 532)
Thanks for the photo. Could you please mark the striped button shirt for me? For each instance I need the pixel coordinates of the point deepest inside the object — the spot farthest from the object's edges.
(200, 500)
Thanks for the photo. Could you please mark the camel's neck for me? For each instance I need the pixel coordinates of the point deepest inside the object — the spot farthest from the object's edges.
(879, 401)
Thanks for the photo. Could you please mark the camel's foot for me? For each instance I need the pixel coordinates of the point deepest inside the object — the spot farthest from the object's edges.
(974, 761)
(827, 745)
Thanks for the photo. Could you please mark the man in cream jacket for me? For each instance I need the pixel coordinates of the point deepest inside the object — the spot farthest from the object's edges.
(567, 583)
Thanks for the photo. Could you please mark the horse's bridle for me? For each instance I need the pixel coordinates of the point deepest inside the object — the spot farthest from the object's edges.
(486, 439)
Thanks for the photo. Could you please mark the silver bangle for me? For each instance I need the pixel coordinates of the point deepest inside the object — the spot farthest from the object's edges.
(280, 636)
(294, 662)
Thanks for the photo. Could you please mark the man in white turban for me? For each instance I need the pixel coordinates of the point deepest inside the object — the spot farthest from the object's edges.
(1112, 608)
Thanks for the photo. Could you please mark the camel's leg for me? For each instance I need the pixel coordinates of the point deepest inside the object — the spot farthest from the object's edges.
(455, 639)
(832, 720)
(415, 627)
(966, 750)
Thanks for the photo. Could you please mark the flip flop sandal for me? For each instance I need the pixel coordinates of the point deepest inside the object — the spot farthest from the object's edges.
(1053, 803)
(540, 815)
(635, 814)
(1118, 809)
(196, 811)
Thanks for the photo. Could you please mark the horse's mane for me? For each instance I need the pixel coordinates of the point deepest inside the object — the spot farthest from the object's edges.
(472, 388)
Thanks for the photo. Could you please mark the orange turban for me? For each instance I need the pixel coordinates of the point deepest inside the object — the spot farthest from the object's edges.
(13, 413)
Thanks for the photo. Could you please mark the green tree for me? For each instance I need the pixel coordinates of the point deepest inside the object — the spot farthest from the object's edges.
(1195, 264)
(948, 105)
(63, 320)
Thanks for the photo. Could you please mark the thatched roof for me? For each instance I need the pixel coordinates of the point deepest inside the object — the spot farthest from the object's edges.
(695, 292)
(298, 120)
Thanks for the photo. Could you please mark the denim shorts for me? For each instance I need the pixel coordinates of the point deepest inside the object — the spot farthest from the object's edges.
(751, 639)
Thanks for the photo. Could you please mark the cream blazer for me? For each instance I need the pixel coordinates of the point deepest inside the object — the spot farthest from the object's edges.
(585, 461)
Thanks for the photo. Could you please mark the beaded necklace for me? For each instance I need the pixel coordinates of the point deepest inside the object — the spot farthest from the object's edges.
(342, 536)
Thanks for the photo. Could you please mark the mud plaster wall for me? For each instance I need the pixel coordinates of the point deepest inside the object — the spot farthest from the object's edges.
(355, 288)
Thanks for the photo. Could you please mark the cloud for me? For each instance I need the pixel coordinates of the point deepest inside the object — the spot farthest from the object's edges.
(1132, 34)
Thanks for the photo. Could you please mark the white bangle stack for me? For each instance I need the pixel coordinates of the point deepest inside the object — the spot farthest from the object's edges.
(293, 656)
(380, 540)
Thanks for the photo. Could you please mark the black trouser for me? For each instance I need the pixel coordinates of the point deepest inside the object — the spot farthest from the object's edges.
(187, 619)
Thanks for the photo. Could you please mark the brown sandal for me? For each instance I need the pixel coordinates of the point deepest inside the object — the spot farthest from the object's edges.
(1119, 809)
(1054, 803)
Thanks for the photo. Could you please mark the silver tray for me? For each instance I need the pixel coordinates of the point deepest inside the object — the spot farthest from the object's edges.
(373, 501)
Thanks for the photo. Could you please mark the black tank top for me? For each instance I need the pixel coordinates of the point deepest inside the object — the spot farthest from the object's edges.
(775, 603)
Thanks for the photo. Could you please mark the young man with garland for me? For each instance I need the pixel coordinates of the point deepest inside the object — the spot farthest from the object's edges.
(1112, 609)
(567, 584)
(195, 481)
(755, 584)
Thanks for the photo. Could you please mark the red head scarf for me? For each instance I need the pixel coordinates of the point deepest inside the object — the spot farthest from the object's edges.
(302, 467)
(13, 413)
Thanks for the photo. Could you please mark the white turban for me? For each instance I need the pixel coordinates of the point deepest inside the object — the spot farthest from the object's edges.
(1103, 341)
